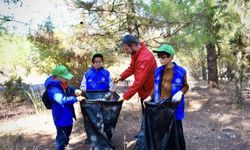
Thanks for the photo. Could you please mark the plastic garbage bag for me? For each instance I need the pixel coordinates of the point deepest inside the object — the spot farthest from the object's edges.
(160, 131)
(100, 112)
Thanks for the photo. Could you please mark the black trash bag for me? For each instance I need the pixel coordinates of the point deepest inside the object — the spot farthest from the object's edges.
(100, 113)
(160, 130)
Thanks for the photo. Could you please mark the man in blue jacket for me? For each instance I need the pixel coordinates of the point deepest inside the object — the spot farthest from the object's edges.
(171, 82)
(60, 94)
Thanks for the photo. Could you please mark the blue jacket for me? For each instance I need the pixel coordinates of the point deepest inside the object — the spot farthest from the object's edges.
(62, 103)
(177, 83)
(96, 80)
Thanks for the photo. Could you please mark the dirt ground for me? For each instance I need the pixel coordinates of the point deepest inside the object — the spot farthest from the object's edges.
(212, 122)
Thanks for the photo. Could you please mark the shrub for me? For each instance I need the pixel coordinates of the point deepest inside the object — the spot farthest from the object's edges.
(14, 89)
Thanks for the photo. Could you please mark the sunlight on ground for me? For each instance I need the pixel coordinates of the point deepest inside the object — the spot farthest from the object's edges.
(246, 124)
(41, 123)
(225, 118)
(77, 138)
(222, 118)
(196, 105)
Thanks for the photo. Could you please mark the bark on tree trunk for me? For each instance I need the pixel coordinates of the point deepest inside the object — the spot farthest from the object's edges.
(238, 82)
(133, 25)
(204, 73)
(203, 65)
(212, 65)
(130, 19)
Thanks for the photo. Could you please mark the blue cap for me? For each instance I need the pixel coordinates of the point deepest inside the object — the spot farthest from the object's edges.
(130, 39)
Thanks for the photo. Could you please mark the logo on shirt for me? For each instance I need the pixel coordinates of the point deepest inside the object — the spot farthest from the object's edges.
(173, 88)
(158, 78)
(103, 79)
(178, 80)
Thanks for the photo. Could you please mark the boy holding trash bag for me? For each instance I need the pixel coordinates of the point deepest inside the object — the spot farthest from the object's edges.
(171, 82)
(96, 79)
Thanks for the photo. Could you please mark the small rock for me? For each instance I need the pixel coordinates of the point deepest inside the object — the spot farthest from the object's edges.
(216, 105)
(219, 115)
(230, 135)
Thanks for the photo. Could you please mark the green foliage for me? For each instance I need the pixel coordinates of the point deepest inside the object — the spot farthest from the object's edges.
(193, 59)
(187, 25)
(210, 21)
(240, 43)
(52, 48)
(14, 89)
(14, 50)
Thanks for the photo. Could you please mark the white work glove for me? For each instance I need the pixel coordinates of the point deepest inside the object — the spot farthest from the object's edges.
(78, 92)
(177, 97)
(146, 100)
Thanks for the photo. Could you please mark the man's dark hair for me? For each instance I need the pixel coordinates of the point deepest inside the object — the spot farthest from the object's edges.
(130, 39)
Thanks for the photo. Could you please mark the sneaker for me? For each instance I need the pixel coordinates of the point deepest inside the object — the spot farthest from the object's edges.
(69, 147)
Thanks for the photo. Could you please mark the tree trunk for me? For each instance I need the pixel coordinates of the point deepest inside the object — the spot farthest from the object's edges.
(133, 25)
(130, 19)
(212, 65)
(204, 73)
(229, 72)
(203, 65)
(238, 82)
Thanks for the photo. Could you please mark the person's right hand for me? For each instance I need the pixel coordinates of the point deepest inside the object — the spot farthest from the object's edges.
(120, 99)
(146, 100)
(80, 98)
(78, 92)
(116, 79)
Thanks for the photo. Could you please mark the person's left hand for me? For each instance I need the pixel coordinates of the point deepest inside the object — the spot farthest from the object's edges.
(147, 99)
(177, 97)
(80, 98)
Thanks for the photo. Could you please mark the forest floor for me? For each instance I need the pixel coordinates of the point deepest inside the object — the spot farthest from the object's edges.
(212, 122)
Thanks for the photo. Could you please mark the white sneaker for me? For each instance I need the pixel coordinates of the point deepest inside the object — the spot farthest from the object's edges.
(69, 147)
